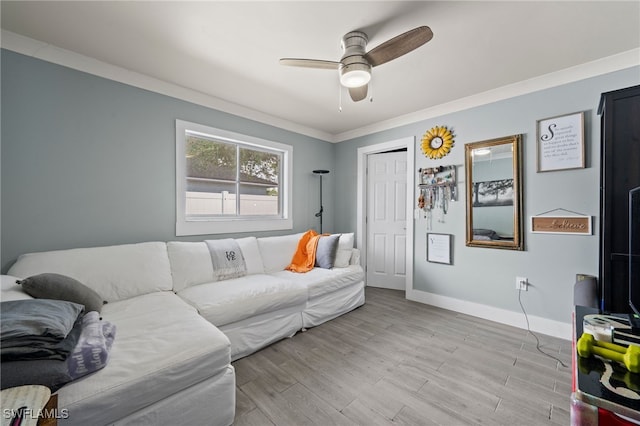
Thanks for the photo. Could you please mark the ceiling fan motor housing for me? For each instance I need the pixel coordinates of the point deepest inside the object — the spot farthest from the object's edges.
(355, 70)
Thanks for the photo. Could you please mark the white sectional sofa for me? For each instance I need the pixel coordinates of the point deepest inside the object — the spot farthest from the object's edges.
(178, 329)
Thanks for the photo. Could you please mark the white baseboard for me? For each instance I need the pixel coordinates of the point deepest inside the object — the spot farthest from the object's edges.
(537, 324)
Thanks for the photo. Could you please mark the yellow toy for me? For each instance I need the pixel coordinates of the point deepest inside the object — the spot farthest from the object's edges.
(587, 345)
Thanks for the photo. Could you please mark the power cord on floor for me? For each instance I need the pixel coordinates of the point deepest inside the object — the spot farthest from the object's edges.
(536, 337)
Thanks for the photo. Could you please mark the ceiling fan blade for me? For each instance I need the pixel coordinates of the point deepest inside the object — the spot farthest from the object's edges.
(310, 63)
(358, 93)
(399, 45)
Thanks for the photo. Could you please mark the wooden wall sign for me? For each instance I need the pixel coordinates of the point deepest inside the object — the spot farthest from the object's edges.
(576, 225)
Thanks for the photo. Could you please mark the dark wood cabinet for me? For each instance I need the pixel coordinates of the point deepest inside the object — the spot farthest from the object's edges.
(620, 172)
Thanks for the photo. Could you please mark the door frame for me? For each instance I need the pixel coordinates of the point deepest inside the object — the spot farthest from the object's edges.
(361, 199)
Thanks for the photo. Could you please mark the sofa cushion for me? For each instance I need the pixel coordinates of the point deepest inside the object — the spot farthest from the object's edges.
(162, 347)
(191, 261)
(277, 251)
(251, 253)
(322, 281)
(190, 264)
(61, 287)
(114, 272)
(345, 249)
(228, 301)
(11, 290)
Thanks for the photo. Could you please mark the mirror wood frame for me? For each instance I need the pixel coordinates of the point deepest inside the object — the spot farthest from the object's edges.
(518, 238)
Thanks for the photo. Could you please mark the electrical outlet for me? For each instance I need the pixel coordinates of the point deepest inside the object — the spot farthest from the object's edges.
(522, 283)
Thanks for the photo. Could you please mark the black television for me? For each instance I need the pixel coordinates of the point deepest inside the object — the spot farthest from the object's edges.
(634, 259)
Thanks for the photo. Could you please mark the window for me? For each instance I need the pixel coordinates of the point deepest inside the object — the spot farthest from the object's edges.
(227, 182)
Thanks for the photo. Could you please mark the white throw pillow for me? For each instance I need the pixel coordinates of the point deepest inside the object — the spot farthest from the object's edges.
(277, 252)
(251, 253)
(190, 264)
(345, 248)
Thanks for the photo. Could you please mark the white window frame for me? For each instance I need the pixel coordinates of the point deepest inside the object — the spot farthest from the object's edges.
(235, 224)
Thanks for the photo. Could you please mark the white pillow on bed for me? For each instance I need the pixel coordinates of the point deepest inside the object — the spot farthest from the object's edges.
(345, 248)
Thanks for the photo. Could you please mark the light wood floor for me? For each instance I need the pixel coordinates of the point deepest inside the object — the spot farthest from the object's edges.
(393, 361)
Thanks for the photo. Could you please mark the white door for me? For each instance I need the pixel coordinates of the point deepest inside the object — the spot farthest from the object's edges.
(386, 220)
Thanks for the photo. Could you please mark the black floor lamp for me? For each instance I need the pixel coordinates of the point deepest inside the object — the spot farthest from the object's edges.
(319, 214)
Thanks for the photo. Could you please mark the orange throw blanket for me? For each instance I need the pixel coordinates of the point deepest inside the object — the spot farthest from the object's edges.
(304, 258)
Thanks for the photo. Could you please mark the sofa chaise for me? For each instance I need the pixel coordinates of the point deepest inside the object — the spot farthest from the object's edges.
(179, 326)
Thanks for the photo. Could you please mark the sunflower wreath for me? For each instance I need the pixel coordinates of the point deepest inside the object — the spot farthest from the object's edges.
(437, 142)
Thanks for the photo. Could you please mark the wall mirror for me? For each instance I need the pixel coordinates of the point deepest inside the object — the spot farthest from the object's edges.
(494, 193)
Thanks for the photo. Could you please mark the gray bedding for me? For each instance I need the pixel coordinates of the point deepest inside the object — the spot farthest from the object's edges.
(41, 359)
(46, 372)
(41, 347)
(37, 317)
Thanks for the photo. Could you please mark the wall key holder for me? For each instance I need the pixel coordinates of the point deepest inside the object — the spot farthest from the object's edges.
(438, 186)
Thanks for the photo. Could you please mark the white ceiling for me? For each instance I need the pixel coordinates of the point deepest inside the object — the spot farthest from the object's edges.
(229, 51)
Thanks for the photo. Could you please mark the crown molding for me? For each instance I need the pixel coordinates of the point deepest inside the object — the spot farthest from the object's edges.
(624, 60)
(50, 53)
(47, 52)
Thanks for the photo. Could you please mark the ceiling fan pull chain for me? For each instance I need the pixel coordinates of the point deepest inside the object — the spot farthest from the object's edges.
(371, 91)
(339, 97)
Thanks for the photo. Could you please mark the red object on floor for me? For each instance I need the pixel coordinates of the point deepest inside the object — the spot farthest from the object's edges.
(607, 418)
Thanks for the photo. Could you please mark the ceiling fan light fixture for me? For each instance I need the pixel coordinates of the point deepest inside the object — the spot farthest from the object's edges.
(354, 67)
(355, 75)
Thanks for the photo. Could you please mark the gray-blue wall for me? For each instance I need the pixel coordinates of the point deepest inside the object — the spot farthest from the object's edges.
(487, 276)
(87, 161)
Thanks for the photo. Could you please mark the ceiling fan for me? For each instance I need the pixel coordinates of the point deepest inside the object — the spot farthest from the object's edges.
(355, 65)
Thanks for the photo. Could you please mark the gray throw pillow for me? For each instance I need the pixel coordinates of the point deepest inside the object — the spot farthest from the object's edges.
(326, 251)
(61, 287)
